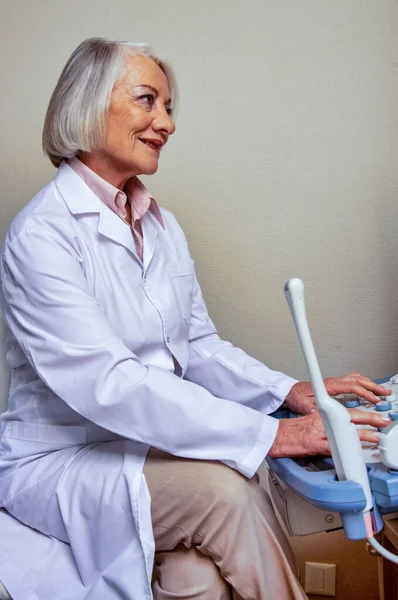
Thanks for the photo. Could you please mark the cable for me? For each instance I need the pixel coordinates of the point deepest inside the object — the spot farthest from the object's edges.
(385, 553)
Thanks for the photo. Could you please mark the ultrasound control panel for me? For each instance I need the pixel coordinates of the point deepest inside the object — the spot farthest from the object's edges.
(314, 478)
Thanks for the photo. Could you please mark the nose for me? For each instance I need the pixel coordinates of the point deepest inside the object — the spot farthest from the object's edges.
(163, 122)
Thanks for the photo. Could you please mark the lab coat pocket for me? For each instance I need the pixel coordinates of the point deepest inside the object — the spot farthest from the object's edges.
(182, 275)
(22, 440)
(31, 453)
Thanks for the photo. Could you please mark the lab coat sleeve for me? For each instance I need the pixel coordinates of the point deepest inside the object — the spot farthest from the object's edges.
(68, 340)
(227, 371)
(223, 369)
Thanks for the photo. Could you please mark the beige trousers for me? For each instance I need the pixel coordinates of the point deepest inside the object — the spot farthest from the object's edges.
(216, 534)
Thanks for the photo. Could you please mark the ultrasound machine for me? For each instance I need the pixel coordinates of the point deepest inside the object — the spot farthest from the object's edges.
(359, 484)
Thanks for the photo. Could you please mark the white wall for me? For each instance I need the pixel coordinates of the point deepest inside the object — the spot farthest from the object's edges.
(283, 164)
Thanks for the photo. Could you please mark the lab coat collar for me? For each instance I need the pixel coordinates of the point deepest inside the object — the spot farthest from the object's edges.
(81, 201)
(79, 198)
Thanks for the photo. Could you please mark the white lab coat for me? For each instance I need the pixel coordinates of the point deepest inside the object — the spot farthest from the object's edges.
(93, 332)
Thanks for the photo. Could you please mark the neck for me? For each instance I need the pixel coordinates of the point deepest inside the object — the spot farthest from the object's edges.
(100, 165)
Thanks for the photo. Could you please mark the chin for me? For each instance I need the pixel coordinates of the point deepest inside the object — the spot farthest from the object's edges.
(150, 170)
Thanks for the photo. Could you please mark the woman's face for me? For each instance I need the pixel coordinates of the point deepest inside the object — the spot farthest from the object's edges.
(138, 123)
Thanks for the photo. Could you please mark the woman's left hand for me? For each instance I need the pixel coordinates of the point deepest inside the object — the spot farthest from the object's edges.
(301, 397)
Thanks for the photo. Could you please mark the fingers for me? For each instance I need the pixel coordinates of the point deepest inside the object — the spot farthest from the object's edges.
(367, 435)
(354, 383)
(367, 389)
(362, 417)
(344, 387)
(376, 388)
(366, 394)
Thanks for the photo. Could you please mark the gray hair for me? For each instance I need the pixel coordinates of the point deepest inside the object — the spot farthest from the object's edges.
(76, 115)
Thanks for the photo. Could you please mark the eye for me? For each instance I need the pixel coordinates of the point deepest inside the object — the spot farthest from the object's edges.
(147, 99)
(169, 111)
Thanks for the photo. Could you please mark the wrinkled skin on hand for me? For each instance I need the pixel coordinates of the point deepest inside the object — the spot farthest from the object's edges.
(301, 397)
(305, 436)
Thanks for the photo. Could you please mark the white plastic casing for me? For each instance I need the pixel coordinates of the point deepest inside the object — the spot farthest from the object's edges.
(388, 446)
(342, 435)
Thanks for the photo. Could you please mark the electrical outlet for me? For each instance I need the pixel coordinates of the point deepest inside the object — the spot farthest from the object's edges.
(320, 578)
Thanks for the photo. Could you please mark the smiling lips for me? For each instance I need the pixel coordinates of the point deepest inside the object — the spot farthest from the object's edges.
(153, 144)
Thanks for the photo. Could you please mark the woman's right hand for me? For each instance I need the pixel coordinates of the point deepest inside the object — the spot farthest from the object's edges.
(306, 436)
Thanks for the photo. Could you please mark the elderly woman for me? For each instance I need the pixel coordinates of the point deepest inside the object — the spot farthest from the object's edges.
(134, 432)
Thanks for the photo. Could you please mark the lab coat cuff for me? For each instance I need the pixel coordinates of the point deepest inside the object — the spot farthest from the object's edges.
(281, 390)
(262, 446)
